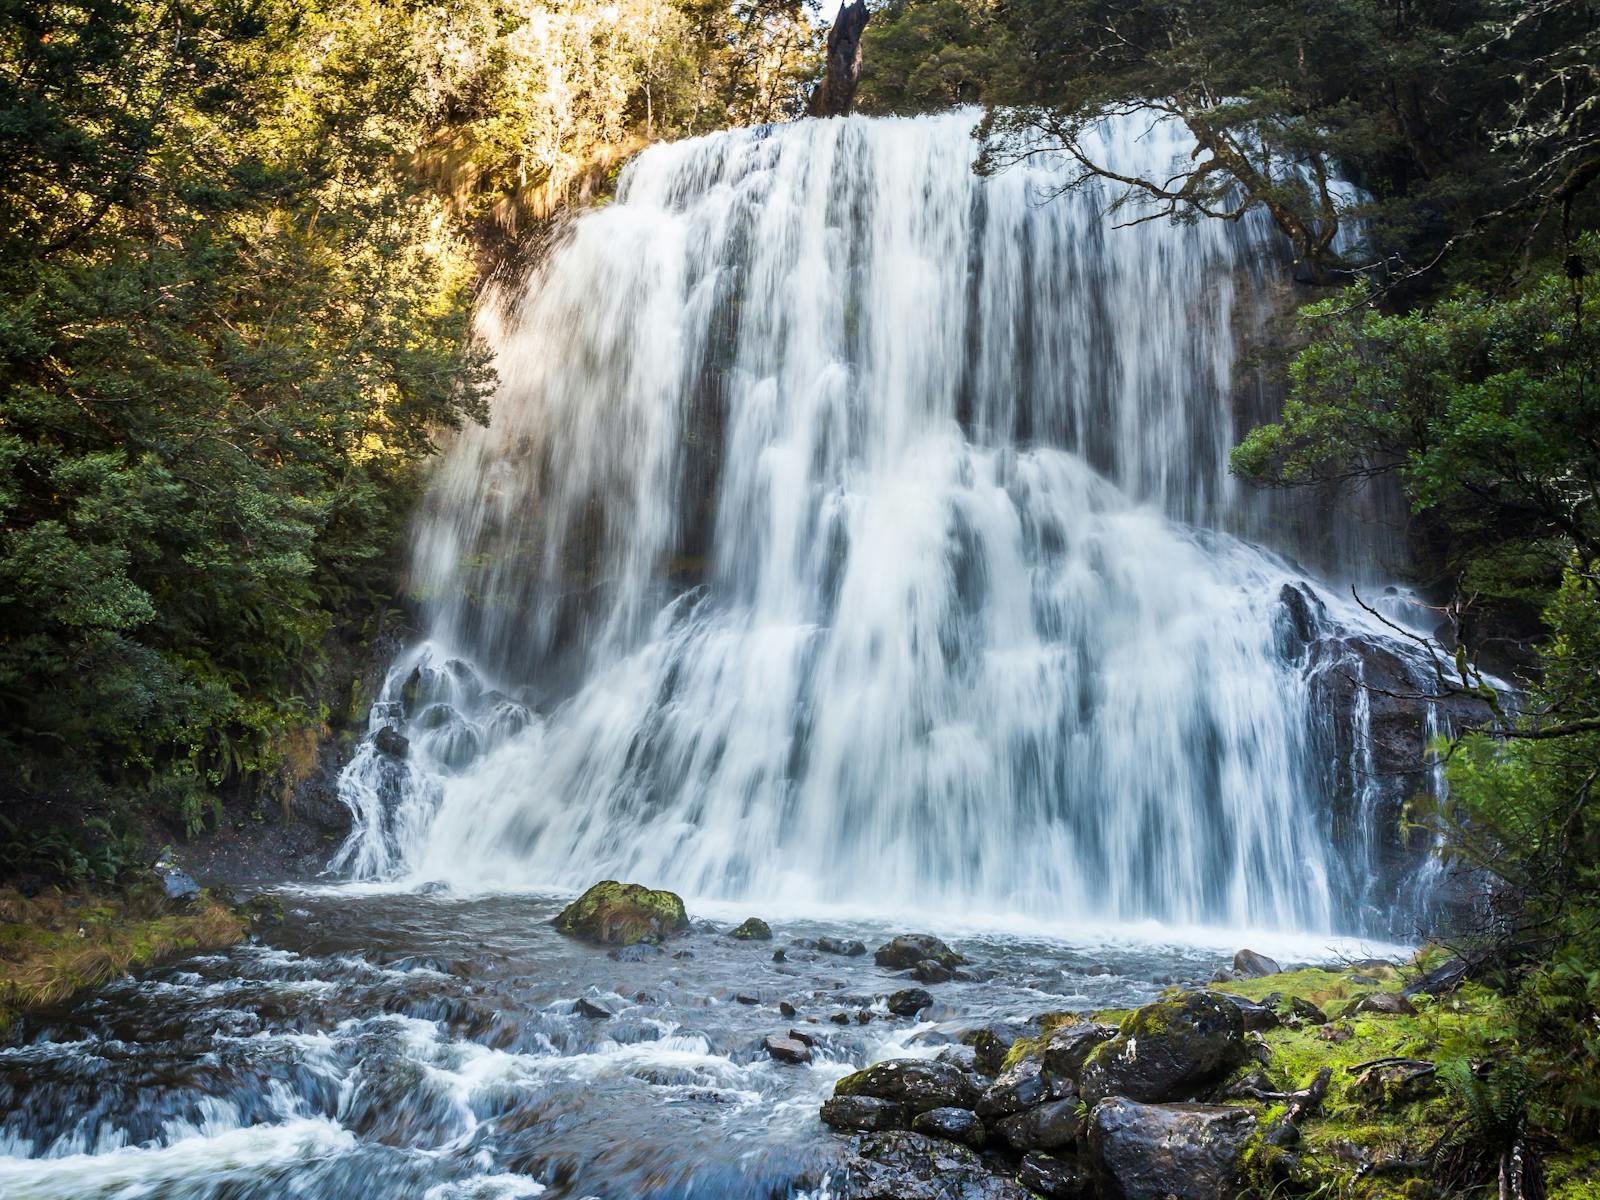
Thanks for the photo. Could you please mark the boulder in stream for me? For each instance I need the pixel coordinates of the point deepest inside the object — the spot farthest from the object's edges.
(752, 929)
(908, 1002)
(1020, 1088)
(907, 950)
(620, 914)
(389, 740)
(787, 1049)
(1068, 1046)
(1057, 1178)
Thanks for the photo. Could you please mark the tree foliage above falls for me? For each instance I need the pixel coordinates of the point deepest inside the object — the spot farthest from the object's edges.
(235, 309)
(1472, 121)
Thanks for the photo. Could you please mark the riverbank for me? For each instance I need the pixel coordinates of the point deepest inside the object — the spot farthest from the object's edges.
(58, 943)
(1370, 1081)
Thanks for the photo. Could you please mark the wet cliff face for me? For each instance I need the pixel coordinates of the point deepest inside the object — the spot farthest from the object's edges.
(854, 529)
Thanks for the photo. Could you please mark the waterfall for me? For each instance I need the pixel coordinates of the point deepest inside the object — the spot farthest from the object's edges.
(852, 529)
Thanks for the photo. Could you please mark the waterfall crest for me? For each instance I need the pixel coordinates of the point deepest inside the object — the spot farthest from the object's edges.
(854, 529)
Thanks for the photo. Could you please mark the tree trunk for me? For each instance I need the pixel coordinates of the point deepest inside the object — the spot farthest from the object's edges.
(836, 91)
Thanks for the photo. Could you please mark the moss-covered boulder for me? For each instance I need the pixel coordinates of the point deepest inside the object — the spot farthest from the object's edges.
(620, 914)
(752, 929)
(1170, 1050)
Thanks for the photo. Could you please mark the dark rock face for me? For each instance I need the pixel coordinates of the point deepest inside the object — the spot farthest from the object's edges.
(963, 1057)
(910, 1166)
(595, 1011)
(953, 1124)
(1251, 965)
(176, 885)
(392, 742)
(1162, 1151)
(1058, 1178)
(1021, 1087)
(787, 1049)
(836, 92)
(862, 1114)
(1256, 1016)
(1053, 1126)
(918, 1084)
(1346, 673)
(1306, 1012)
(909, 949)
(620, 914)
(1441, 980)
(849, 948)
(1068, 1047)
(752, 929)
(1169, 1050)
(908, 1002)
(1391, 1003)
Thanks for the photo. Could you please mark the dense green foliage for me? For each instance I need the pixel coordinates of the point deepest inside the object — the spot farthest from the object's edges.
(229, 325)
(236, 279)
(924, 55)
(1487, 407)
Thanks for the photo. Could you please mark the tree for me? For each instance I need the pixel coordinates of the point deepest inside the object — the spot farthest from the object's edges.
(1486, 408)
(1282, 102)
(229, 323)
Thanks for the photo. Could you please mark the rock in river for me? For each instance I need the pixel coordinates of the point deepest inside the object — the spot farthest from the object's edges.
(1070, 1045)
(1020, 1088)
(752, 929)
(1053, 1126)
(787, 1049)
(620, 914)
(908, 1002)
(1169, 1050)
(909, 949)
(919, 1084)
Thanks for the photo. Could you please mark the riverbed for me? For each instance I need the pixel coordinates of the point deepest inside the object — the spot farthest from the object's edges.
(390, 1044)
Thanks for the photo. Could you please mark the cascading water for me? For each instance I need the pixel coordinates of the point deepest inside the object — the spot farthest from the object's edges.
(855, 530)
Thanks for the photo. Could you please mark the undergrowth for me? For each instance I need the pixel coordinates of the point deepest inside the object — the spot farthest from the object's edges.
(58, 943)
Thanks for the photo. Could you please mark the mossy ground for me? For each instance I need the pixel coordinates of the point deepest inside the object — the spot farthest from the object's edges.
(58, 943)
(1472, 1025)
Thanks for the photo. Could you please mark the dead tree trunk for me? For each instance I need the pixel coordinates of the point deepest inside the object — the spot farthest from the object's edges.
(836, 91)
